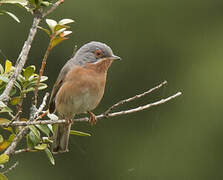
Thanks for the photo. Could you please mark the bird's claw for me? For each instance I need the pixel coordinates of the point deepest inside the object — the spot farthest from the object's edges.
(93, 119)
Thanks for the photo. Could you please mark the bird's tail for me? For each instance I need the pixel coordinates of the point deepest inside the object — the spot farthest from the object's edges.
(61, 138)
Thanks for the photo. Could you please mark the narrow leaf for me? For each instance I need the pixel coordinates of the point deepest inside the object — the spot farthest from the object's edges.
(50, 156)
(4, 158)
(44, 128)
(35, 131)
(41, 147)
(2, 105)
(15, 100)
(65, 33)
(4, 78)
(57, 40)
(1, 69)
(29, 71)
(45, 30)
(1, 139)
(12, 16)
(79, 133)
(3, 177)
(8, 66)
(21, 2)
(51, 23)
(65, 21)
(4, 120)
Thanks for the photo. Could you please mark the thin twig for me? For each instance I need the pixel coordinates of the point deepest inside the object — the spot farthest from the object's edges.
(21, 59)
(41, 72)
(135, 97)
(23, 150)
(42, 105)
(25, 50)
(11, 168)
(53, 7)
(86, 119)
(19, 66)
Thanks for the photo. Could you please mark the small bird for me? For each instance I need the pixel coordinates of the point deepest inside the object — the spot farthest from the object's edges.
(79, 88)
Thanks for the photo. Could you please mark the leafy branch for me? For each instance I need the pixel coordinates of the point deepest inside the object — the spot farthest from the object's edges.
(17, 81)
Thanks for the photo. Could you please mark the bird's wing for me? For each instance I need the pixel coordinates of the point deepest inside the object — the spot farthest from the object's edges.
(60, 81)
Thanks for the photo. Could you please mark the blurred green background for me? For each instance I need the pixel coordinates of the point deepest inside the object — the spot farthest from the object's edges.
(176, 40)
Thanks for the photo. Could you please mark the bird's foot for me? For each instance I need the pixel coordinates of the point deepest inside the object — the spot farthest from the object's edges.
(69, 121)
(93, 119)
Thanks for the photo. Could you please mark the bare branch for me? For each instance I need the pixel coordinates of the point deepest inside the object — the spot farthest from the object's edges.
(18, 68)
(53, 7)
(23, 150)
(86, 119)
(135, 97)
(17, 139)
(42, 105)
(11, 168)
(21, 59)
(25, 50)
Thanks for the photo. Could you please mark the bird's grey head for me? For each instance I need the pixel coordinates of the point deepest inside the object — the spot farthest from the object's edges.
(93, 52)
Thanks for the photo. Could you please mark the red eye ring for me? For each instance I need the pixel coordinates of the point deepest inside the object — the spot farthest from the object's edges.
(98, 53)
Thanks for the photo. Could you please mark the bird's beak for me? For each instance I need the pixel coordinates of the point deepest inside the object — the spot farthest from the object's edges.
(114, 57)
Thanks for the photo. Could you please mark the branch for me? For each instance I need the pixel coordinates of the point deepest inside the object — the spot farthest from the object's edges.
(22, 58)
(18, 69)
(135, 97)
(53, 7)
(25, 50)
(103, 115)
(11, 168)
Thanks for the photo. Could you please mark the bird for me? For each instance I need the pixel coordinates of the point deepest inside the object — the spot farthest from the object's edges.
(79, 88)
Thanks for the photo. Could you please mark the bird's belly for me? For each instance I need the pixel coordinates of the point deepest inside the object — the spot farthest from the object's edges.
(85, 102)
(79, 102)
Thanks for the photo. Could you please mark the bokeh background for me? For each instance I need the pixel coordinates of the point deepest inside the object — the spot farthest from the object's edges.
(176, 40)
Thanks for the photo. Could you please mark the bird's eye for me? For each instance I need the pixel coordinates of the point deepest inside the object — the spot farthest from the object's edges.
(98, 53)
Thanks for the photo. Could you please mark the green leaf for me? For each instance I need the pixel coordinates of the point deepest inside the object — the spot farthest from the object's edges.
(41, 147)
(47, 140)
(29, 71)
(42, 86)
(3, 177)
(50, 156)
(12, 92)
(8, 66)
(79, 133)
(57, 40)
(33, 139)
(4, 158)
(15, 100)
(12, 16)
(11, 137)
(43, 78)
(2, 105)
(45, 3)
(1, 69)
(6, 109)
(1, 139)
(4, 120)
(21, 78)
(51, 23)
(44, 29)
(29, 142)
(65, 33)
(35, 131)
(21, 2)
(59, 26)
(65, 21)
(4, 78)
(44, 128)
(60, 31)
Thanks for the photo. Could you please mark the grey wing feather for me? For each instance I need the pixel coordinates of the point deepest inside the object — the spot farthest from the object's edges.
(59, 82)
